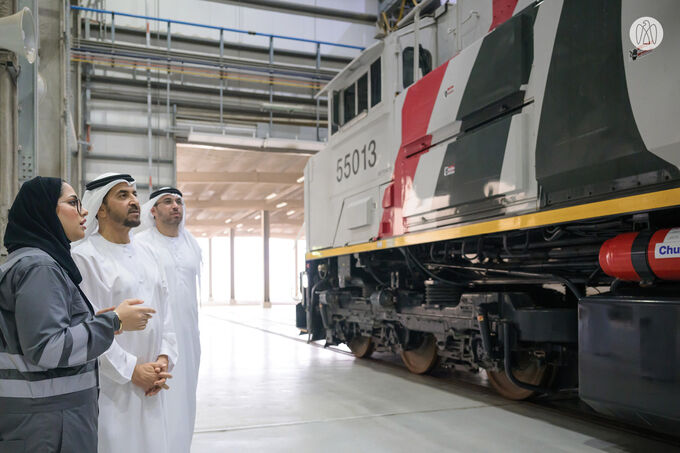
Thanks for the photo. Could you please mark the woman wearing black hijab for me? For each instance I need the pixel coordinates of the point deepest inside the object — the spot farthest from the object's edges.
(50, 337)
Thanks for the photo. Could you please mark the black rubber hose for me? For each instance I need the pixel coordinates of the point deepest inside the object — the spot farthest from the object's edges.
(507, 362)
(410, 258)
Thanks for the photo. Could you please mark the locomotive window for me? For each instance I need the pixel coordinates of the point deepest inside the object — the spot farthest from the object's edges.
(425, 63)
(362, 93)
(349, 103)
(335, 112)
(376, 90)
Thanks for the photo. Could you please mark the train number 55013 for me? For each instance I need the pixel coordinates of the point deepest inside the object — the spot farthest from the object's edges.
(356, 161)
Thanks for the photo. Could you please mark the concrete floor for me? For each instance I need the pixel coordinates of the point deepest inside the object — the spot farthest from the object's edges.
(263, 389)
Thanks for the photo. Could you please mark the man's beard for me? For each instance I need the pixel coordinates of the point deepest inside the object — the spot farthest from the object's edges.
(169, 220)
(131, 223)
(125, 221)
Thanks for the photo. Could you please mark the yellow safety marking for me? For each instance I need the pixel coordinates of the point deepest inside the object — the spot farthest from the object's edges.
(634, 203)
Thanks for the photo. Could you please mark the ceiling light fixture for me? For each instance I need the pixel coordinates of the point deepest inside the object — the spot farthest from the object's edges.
(270, 196)
(239, 225)
(282, 204)
(257, 217)
(291, 212)
(227, 221)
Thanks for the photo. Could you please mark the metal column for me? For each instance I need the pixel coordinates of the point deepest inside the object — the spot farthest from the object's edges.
(149, 137)
(318, 100)
(169, 120)
(232, 286)
(295, 260)
(271, 87)
(27, 98)
(8, 177)
(221, 78)
(210, 270)
(266, 302)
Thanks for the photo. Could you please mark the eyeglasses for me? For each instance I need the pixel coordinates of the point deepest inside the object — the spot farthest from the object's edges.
(76, 203)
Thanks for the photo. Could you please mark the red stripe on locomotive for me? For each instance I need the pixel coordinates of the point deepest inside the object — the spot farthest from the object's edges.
(502, 11)
(415, 119)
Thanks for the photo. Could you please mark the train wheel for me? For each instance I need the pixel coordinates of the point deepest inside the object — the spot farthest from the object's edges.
(361, 346)
(528, 371)
(423, 358)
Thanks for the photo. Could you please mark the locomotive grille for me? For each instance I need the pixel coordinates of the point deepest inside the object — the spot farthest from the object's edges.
(439, 294)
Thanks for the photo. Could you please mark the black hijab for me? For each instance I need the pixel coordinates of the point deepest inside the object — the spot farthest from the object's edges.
(33, 222)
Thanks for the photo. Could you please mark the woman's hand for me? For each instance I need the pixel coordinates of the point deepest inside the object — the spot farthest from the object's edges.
(132, 315)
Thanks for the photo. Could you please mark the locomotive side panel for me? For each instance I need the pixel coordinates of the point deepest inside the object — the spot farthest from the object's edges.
(652, 80)
(589, 144)
(350, 169)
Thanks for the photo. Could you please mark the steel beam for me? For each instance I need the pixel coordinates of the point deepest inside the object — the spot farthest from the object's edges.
(118, 158)
(240, 205)
(217, 232)
(213, 27)
(306, 10)
(194, 177)
(219, 223)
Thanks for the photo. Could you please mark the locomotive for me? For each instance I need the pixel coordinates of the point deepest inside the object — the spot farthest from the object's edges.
(500, 193)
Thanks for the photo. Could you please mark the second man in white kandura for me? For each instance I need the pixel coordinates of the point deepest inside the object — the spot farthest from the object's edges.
(164, 234)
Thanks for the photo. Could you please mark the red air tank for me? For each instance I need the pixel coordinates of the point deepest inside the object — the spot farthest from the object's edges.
(645, 255)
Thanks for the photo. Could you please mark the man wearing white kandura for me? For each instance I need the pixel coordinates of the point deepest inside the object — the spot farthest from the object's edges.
(162, 231)
(132, 412)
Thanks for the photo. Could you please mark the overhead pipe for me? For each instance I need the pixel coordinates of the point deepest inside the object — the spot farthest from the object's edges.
(92, 55)
(289, 100)
(241, 47)
(203, 103)
(192, 109)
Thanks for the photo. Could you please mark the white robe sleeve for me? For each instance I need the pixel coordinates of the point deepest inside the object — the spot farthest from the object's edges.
(116, 363)
(169, 338)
